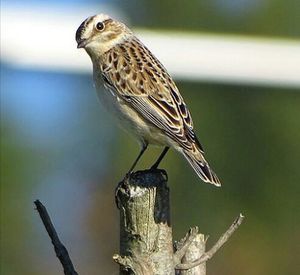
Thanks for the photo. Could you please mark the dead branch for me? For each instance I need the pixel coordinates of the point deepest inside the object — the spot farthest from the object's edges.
(60, 250)
(208, 255)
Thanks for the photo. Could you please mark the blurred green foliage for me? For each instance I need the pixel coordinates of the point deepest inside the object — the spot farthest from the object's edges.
(254, 17)
(20, 169)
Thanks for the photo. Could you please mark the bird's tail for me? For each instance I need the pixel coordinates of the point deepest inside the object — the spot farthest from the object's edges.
(201, 166)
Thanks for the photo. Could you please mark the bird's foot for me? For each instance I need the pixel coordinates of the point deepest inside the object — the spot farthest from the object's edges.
(154, 169)
(127, 176)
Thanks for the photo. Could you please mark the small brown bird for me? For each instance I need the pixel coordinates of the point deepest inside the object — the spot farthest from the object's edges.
(140, 92)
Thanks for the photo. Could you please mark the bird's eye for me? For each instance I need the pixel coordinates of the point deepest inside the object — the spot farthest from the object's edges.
(100, 26)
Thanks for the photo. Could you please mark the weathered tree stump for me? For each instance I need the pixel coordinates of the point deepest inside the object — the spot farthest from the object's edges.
(146, 244)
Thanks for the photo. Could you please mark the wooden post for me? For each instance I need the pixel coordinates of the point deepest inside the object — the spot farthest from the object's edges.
(146, 245)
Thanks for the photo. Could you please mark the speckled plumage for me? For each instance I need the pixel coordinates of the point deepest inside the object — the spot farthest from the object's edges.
(140, 92)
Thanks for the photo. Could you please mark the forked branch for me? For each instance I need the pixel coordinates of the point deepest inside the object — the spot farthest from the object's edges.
(209, 254)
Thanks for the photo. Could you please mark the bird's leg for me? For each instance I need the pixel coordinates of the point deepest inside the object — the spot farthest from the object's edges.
(145, 145)
(155, 165)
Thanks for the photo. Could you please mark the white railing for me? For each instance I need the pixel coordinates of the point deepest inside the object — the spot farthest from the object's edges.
(44, 39)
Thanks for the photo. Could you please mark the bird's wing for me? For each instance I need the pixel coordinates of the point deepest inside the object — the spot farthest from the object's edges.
(142, 81)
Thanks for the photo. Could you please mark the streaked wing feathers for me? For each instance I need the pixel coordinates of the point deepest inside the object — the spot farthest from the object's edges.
(142, 81)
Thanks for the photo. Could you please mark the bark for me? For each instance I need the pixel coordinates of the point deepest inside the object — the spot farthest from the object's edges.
(146, 245)
(145, 230)
(195, 250)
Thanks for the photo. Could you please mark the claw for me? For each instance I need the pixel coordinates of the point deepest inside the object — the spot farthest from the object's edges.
(127, 176)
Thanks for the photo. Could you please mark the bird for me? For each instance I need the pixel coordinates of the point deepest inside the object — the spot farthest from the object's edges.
(140, 93)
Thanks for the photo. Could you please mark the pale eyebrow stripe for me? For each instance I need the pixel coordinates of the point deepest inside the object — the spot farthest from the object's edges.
(89, 20)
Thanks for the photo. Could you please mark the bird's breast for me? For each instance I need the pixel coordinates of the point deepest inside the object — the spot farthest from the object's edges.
(127, 118)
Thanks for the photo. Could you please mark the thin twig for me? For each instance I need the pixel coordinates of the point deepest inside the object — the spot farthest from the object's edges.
(60, 250)
(208, 255)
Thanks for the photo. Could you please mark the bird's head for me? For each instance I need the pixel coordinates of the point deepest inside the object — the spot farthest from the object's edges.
(99, 33)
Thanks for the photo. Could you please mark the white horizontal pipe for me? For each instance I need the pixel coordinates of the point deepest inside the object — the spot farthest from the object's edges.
(45, 39)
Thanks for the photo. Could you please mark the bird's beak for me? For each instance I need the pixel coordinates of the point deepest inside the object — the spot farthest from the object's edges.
(81, 43)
